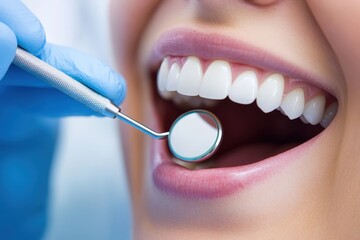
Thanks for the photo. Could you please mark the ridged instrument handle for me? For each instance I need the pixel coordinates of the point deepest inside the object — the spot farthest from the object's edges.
(64, 83)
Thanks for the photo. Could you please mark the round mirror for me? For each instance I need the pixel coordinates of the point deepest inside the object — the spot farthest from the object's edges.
(195, 136)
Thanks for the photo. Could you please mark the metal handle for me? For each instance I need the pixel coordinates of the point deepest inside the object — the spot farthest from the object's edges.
(64, 83)
(76, 90)
(141, 127)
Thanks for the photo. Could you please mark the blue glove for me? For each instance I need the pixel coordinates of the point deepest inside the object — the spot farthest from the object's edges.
(27, 134)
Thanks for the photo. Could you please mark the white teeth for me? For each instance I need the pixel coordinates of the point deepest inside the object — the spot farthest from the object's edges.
(270, 93)
(183, 84)
(173, 77)
(190, 77)
(293, 103)
(244, 89)
(329, 114)
(216, 81)
(163, 75)
(314, 109)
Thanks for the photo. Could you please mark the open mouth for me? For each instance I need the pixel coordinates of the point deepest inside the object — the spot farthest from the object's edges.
(263, 112)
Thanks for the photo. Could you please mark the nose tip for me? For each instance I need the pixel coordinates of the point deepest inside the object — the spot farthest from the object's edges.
(218, 10)
(217, 3)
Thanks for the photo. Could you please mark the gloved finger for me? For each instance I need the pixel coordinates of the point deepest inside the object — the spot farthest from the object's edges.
(45, 102)
(27, 28)
(85, 69)
(7, 48)
(16, 76)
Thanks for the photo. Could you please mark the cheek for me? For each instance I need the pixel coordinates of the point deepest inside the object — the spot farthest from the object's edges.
(128, 20)
(338, 20)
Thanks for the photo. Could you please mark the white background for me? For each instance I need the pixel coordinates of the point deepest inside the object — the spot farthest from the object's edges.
(89, 197)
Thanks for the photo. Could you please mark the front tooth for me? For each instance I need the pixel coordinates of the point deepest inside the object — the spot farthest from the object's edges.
(314, 109)
(190, 77)
(329, 114)
(270, 93)
(163, 75)
(293, 103)
(216, 81)
(173, 77)
(244, 88)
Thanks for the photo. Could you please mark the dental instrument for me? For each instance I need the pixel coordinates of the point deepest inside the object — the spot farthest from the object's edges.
(193, 137)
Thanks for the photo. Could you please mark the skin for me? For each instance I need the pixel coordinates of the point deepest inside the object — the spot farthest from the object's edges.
(315, 197)
(338, 21)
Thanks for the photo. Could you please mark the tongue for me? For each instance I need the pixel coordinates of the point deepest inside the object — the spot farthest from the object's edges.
(250, 154)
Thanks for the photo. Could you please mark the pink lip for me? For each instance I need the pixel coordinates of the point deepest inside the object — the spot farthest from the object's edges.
(218, 182)
(178, 181)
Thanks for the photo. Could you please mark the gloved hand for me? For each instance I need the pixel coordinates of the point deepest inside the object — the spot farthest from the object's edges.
(27, 134)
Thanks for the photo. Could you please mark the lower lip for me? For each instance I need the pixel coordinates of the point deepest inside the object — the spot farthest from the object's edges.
(178, 181)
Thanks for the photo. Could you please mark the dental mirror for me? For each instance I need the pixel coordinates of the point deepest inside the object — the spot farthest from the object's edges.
(195, 136)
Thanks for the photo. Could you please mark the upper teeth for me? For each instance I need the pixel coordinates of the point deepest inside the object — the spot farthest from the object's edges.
(270, 93)
(217, 83)
(244, 89)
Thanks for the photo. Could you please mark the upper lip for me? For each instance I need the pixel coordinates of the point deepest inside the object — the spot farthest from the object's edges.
(216, 46)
